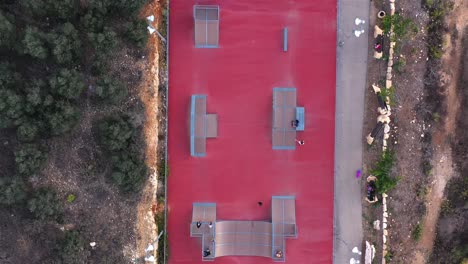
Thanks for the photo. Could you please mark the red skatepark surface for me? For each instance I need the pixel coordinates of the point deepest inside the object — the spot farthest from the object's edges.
(240, 168)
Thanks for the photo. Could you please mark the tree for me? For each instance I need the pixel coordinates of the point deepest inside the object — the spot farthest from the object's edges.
(93, 20)
(27, 131)
(8, 76)
(103, 42)
(12, 191)
(29, 159)
(61, 117)
(110, 90)
(37, 97)
(34, 43)
(64, 9)
(11, 107)
(45, 205)
(7, 30)
(71, 249)
(128, 7)
(67, 83)
(116, 133)
(66, 44)
(137, 32)
(128, 171)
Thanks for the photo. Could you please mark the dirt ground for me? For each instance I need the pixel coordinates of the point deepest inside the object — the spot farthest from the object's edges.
(424, 122)
(122, 225)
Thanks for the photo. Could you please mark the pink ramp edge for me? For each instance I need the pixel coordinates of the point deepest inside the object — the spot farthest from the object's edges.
(240, 168)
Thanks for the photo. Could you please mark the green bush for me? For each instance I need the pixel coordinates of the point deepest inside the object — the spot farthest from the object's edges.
(29, 159)
(66, 44)
(116, 133)
(34, 43)
(128, 171)
(61, 117)
(12, 191)
(110, 90)
(7, 30)
(45, 205)
(382, 171)
(136, 31)
(67, 83)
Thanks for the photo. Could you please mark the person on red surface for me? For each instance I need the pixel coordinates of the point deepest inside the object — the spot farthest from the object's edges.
(295, 123)
(300, 142)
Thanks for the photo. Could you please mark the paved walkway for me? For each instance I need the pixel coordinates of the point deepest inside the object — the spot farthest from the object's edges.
(350, 85)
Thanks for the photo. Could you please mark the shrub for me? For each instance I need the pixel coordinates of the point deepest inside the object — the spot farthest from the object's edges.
(382, 171)
(67, 83)
(66, 44)
(116, 133)
(45, 205)
(136, 31)
(110, 90)
(61, 117)
(34, 43)
(12, 191)
(29, 158)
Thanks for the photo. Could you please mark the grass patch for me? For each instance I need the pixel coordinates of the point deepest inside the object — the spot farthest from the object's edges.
(400, 65)
(388, 92)
(382, 171)
(389, 256)
(422, 191)
(163, 170)
(417, 232)
(447, 207)
(402, 27)
(163, 252)
(71, 198)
